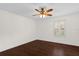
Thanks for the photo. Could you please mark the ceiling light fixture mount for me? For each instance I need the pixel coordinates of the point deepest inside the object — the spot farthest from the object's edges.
(43, 12)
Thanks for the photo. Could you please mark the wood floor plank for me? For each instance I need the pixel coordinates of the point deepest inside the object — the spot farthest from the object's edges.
(42, 48)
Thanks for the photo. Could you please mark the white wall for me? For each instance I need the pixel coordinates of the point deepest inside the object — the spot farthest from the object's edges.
(46, 29)
(15, 30)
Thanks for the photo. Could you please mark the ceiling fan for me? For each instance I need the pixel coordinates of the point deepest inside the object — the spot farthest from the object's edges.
(43, 12)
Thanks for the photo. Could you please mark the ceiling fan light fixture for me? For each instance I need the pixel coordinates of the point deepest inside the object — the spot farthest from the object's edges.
(42, 16)
(43, 12)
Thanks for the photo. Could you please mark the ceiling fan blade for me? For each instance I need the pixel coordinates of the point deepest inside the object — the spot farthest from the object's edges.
(42, 9)
(36, 14)
(49, 14)
(37, 10)
(49, 10)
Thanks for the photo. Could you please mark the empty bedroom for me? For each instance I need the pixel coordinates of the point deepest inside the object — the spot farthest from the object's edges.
(39, 29)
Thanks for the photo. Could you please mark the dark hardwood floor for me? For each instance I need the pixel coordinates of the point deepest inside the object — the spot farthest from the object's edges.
(42, 48)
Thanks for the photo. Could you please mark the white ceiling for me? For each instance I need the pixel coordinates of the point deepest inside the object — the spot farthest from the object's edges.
(27, 9)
